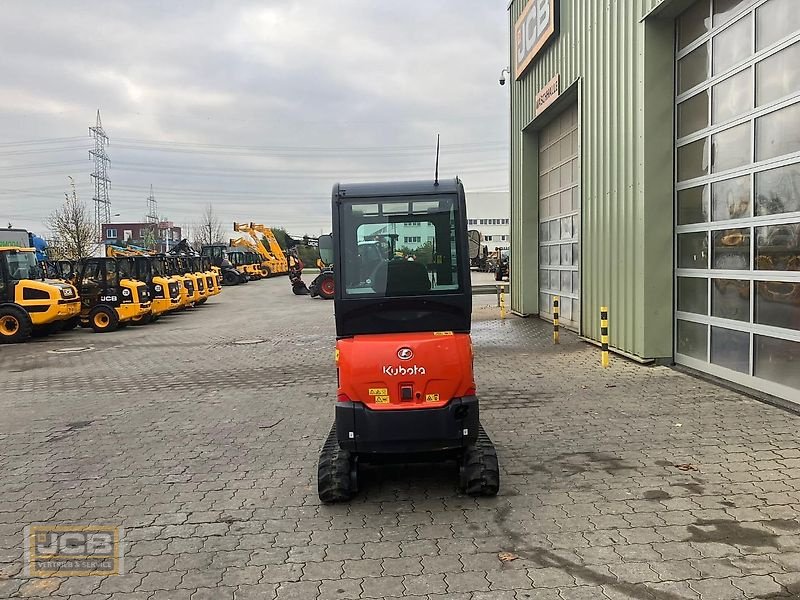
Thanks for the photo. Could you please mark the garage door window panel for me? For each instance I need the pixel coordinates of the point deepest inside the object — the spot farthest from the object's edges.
(692, 340)
(776, 20)
(778, 190)
(693, 114)
(731, 199)
(730, 299)
(731, 148)
(733, 45)
(731, 249)
(693, 69)
(778, 76)
(693, 205)
(732, 97)
(777, 360)
(693, 295)
(730, 349)
(778, 133)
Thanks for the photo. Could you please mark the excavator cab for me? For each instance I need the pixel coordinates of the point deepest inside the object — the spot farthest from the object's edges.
(111, 295)
(403, 353)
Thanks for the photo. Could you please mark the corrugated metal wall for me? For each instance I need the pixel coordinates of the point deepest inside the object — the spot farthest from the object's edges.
(649, 5)
(627, 220)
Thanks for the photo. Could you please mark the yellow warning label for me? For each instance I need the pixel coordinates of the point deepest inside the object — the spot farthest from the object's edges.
(431, 397)
(378, 391)
(442, 333)
(381, 399)
(336, 355)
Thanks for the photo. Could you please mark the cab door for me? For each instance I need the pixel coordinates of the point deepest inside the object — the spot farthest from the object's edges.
(6, 289)
(90, 281)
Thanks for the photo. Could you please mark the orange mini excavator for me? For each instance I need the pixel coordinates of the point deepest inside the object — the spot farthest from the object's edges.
(403, 303)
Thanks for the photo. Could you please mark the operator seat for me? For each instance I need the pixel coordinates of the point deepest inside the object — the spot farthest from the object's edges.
(402, 278)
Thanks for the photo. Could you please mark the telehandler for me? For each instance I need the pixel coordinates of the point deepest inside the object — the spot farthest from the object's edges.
(269, 264)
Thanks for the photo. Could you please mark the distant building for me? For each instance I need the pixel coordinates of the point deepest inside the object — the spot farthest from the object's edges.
(158, 236)
(490, 213)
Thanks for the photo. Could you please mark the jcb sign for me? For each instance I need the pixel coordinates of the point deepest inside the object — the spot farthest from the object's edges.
(69, 550)
(537, 24)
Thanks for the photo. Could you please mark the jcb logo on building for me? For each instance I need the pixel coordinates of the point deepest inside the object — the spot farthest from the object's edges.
(537, 24)
(73, 550)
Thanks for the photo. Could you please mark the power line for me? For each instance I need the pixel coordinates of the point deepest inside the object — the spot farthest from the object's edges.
(39, 141)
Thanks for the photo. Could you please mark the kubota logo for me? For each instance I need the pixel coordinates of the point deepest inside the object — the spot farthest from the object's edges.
(410, 370)
(405, 354)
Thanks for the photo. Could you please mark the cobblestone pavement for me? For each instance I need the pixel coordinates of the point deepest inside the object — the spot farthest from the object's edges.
(199, 434)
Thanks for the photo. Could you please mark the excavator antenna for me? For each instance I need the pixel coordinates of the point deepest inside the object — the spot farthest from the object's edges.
(436, 174)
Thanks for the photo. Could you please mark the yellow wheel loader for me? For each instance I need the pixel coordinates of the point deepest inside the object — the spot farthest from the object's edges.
(111, 296)
(29, 303)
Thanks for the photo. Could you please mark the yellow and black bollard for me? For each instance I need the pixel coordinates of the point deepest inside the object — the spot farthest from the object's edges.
(604, 336)
(556, 311)
(502, 302)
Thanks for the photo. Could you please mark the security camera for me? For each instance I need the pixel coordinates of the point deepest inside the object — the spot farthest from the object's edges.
(503, 74)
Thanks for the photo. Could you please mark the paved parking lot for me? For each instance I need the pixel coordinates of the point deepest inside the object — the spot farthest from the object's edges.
(199, 435)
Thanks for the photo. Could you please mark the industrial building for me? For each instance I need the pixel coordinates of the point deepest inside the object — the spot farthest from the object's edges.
(489, 213)
(160, 236)
(655, 170)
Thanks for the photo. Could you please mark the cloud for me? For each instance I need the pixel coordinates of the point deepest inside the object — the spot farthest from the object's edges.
(257, 107)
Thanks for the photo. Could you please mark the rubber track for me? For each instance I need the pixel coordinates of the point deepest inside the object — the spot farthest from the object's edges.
(333, 471)
(481, 470)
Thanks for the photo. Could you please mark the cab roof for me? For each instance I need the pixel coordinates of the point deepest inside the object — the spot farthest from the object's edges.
(343, 191)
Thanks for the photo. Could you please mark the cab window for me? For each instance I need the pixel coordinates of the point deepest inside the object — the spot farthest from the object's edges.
(400, 247)
(92, 274)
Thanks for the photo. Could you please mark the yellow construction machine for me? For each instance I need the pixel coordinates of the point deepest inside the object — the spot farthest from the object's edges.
(111, 296)
(29, 303)
(253, 262)
(271, 263)
(151, 269)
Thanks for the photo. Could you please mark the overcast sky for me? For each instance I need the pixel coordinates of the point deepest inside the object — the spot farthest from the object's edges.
(258, 107)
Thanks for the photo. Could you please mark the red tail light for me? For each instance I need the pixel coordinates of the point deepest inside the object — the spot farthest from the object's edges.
(471, 391)
(342, 398)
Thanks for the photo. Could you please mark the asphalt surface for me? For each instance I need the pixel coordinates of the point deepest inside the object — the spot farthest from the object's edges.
(199, 435)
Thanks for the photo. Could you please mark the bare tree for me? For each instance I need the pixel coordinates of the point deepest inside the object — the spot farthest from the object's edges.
(73, 229)
(208, 230)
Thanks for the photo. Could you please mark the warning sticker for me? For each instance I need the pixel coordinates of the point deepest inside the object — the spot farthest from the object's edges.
(381, 399)
(336, 355)
(431, 397)
(442, 333)
(378, 391)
